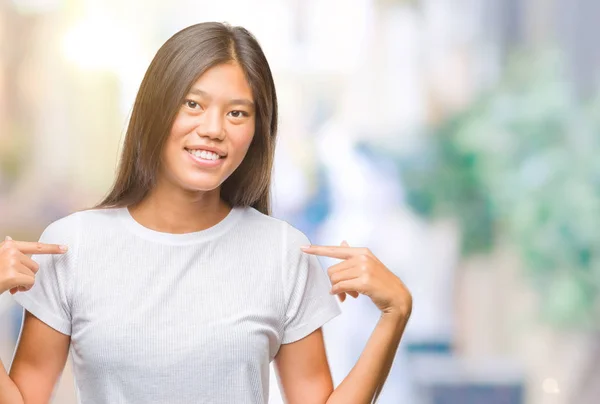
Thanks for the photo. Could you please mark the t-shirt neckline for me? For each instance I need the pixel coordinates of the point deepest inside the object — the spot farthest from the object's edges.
(183, 238)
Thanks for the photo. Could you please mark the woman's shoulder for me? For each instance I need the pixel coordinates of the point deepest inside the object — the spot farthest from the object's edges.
(255, 218)
(280, 228)
(73, 223)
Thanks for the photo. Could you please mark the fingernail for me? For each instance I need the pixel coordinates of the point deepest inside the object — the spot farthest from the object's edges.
(304, 247)
(63, 248)
(7, 238)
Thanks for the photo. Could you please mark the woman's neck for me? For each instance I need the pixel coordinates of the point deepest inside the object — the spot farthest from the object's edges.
(180, 212)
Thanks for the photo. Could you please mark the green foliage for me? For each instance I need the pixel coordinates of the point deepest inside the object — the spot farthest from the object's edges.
(523, 163)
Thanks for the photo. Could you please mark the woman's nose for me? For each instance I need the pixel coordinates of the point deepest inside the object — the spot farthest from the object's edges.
(211, 125)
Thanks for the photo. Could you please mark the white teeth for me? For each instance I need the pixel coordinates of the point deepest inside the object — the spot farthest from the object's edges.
(203, 154)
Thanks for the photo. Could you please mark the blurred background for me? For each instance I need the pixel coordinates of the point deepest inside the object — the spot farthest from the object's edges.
(457, 139)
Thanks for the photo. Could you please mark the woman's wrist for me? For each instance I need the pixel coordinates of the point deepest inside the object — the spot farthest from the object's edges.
(397, 320)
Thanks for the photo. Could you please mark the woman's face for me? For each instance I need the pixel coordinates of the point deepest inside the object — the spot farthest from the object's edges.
(212, 130)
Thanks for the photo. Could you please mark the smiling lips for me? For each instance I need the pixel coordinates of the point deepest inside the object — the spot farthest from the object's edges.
(206, 158)
(204, 154)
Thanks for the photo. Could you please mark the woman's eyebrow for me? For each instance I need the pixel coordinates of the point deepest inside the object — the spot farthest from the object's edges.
(241, 101)
(198, 92)
(237, 101)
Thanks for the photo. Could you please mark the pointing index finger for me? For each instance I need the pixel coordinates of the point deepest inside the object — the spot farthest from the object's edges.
(27, 247)
(331, 251)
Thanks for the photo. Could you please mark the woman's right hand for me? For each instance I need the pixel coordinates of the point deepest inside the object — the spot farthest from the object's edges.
(17, 270)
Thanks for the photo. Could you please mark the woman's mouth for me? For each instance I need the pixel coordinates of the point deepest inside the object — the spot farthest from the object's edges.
(204, 158)
(204, 154)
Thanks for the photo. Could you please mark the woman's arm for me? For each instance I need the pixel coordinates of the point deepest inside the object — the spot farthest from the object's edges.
(302, 365)
(303, 371)
(42, 351)
(366, 379)
(305, 377)
(9, 393)
(39, 361)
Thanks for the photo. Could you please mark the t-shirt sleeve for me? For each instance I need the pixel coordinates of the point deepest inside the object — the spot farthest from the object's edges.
(307, 286)
(50, 297)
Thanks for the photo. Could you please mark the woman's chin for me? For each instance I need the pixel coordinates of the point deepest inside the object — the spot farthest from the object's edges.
(201, 186)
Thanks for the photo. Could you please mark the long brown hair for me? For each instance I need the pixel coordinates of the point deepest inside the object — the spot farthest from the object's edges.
(175, 68)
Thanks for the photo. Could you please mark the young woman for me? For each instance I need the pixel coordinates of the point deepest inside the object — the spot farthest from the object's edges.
(179, 287)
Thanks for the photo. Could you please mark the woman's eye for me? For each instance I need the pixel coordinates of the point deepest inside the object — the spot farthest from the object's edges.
(238, 114)
(191, 104)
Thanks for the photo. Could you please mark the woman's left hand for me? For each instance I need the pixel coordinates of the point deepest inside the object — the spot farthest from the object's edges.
(362, 272)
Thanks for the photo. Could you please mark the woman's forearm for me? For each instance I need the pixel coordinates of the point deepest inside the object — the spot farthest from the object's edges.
(9, 392)
(365, 381)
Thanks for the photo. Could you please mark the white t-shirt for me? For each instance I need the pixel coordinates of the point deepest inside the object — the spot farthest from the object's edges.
(177, 318)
